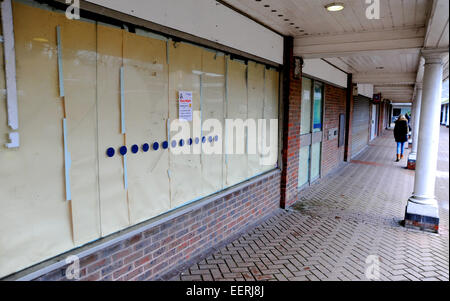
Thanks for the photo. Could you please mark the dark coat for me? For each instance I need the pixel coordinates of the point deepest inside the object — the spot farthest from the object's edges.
(401, 131)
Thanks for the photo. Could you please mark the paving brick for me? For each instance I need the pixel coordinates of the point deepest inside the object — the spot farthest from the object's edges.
(337, 224)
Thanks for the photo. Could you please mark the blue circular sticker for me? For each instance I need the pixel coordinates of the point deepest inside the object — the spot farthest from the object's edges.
(134, 149)
(181, 142)
(197, 140)
(216, 138)
(190, 141)
(204, 139)
(145, 147)
(165, 145)
(110, 152)
(123, 150)
(156, 146)
(210, 139)
(174, 144)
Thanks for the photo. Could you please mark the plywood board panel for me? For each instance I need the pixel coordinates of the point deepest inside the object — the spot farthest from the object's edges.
(146, 113)
(256, 87)
(113, 196)
(35, 222)
(271, 111)
(185, 169)
(237, 109)
(213, 95)
(79, 58)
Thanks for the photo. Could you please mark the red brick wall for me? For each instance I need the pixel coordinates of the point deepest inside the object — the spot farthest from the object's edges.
(291, 129)
(158, 251)
(335, 104)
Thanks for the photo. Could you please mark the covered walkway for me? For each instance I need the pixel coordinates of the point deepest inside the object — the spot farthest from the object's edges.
(142, 148)
(338, 224)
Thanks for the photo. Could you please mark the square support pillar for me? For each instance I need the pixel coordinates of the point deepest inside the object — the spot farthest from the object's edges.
(291, 127)
(349, 118)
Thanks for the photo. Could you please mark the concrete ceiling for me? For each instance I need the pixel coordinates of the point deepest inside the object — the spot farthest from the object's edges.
(383, 52)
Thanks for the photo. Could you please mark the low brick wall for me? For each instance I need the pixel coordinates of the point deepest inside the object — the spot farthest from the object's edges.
(158, 251)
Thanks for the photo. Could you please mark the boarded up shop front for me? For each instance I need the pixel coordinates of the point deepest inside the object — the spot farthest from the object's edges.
(95, 106)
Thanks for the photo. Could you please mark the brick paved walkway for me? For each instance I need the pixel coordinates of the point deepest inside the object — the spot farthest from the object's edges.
(337, 224)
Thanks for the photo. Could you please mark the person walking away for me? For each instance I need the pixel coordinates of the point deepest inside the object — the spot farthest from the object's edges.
(401, 136)
(409, 121)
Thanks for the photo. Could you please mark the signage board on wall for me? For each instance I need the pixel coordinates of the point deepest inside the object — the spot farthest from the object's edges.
(185, 105)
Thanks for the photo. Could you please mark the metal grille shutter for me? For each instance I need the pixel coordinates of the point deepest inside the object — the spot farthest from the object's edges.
(360, 124)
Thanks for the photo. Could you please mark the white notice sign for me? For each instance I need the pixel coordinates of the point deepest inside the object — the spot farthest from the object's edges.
(185, 105)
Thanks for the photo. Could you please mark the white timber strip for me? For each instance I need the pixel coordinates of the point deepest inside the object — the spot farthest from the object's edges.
(10, 64)
(67, 162)
(60, 64)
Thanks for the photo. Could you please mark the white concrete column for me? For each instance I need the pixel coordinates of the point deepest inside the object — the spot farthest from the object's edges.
(416, 119)
(422, 210)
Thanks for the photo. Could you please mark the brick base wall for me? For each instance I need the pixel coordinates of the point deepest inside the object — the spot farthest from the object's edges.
(158, 251)
(335, 104)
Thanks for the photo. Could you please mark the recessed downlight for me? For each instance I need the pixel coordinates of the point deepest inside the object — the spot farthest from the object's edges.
(335, 6)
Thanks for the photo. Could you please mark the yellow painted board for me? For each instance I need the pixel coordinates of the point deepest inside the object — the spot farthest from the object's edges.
(146, 107)
(34, 216)
(79, 57)
(237, 164)
(113, 196)
(213, 87)
(35, 220)
(185, 169)
(271, 109)
(255, 112)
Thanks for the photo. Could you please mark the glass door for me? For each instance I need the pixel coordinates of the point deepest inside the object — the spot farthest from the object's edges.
(305, 133)
(316, 148)
(311, 131)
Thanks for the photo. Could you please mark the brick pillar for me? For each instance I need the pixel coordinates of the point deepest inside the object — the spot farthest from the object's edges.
(291, 127)
(381, 119)
(349, 116)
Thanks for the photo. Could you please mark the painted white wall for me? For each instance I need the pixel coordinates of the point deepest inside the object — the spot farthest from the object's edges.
(322, 70)
(206, 19)
(365, 90)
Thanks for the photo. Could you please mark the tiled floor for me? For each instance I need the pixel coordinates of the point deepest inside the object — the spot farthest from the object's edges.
(338, 224)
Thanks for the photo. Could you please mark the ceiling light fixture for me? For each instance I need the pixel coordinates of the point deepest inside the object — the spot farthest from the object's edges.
(335, 6)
